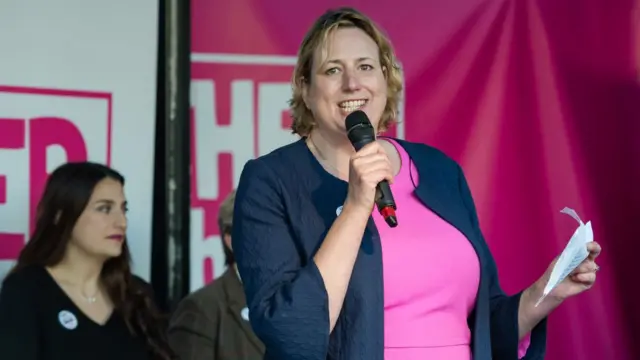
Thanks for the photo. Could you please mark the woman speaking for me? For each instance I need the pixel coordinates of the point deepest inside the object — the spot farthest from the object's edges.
(325, 276)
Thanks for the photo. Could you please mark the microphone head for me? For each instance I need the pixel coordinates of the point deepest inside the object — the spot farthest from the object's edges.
(359, 129)
(356, 118)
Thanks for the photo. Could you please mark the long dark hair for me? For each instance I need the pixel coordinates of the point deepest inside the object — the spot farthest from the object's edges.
(65, 197)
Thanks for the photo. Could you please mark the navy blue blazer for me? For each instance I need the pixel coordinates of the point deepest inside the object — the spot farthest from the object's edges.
(285, 204)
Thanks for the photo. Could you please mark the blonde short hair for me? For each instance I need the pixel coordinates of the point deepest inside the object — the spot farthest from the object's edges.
(303, 121)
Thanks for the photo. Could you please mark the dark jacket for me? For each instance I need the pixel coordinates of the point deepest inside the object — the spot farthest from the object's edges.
(211, 324)
(285, 204)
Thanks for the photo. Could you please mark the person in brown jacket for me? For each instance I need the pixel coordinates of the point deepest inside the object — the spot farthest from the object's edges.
(212, 323)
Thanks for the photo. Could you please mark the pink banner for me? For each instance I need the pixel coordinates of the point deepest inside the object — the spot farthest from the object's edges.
(538, 100)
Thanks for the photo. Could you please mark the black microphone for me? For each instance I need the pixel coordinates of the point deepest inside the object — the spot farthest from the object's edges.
(360, 132)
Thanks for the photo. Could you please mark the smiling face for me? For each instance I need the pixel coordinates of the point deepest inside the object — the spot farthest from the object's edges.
(101, 228)
(346, 75)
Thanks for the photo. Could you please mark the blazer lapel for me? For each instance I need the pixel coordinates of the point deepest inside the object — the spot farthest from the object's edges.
(439, 190)
(238, 305)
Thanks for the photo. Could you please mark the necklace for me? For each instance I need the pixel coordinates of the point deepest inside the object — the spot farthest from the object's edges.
(90, 299)
(71, 288)
(323, 159)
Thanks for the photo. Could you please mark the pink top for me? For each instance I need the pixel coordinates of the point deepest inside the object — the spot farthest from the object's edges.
(431, 277)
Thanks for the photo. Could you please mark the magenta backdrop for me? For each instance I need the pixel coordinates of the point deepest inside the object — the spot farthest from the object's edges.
(540, 103)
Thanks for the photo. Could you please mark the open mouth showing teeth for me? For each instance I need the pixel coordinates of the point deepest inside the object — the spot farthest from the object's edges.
(352, 105)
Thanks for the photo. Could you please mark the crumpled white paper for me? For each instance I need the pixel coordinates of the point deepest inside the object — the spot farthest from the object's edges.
(574, 253)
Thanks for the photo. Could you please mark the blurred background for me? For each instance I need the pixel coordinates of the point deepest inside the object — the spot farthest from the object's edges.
(538, 100)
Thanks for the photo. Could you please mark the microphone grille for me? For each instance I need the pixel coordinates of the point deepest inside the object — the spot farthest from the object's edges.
(356, 118)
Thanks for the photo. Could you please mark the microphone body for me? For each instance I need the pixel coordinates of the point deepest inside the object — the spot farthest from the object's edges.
(360, 132)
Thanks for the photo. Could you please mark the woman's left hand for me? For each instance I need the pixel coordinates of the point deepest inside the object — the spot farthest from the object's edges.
(581, 279)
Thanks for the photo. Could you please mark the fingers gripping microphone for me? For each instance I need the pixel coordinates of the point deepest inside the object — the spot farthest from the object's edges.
(360, 133)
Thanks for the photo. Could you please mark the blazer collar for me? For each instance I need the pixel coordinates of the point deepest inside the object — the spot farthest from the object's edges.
(439, 186)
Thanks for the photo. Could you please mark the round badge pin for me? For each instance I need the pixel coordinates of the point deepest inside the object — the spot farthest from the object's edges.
(67, 320)
(245, 314)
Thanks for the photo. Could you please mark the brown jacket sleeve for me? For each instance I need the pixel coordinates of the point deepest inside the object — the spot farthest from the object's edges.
(192, 331)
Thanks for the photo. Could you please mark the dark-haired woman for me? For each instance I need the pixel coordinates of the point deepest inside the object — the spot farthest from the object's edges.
(72, 295)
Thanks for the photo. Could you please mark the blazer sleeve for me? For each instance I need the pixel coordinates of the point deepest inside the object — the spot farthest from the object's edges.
(19, 330)
(503, 308)
(288, 302)
(192, 332)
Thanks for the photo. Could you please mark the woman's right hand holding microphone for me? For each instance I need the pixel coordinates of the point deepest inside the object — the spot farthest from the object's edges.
(367, 168)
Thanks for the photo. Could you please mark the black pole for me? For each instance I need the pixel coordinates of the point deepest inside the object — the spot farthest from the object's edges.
(172, 205)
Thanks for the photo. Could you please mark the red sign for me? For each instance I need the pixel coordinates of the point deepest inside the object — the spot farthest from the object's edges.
(39, 130)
